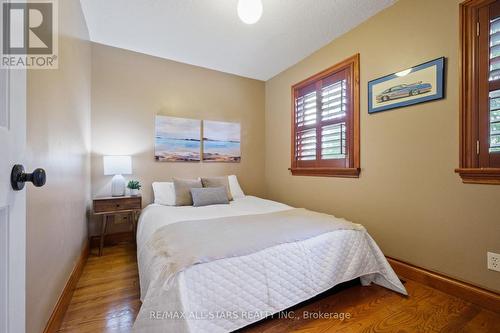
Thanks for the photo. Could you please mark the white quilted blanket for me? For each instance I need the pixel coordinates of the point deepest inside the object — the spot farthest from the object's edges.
(227, 294)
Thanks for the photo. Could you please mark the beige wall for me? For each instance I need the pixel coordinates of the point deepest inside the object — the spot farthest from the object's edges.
(59, 141)
(129, 89)
(408, 196)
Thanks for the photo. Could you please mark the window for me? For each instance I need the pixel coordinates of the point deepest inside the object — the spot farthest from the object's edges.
(480, 92)
(325, 114)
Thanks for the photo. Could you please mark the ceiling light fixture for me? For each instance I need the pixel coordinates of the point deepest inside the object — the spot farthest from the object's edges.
(250, 11)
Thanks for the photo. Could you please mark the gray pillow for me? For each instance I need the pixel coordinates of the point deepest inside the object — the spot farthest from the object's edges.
(218, 182)
(182, 188)
(209, 196)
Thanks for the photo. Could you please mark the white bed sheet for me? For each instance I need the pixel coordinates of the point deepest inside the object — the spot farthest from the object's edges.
(227, 294)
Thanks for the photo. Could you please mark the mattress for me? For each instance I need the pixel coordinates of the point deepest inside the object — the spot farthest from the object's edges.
(227, 294)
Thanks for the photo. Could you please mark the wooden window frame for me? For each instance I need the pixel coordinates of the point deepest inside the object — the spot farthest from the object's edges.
(470, 169)
(352, 170)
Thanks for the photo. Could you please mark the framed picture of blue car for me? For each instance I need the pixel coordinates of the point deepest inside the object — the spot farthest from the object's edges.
(414, 85)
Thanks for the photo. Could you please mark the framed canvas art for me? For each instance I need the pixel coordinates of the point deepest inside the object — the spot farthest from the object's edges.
(411, 86)
(221, 141)
(177, 139)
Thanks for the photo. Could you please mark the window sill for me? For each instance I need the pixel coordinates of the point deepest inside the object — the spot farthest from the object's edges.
(490, 176)
(327, 172)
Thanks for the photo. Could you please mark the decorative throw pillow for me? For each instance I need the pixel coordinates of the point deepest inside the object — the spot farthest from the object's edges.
(234, 187)
(218, 182)
(183, 190)
(209, 196)
(164, 193)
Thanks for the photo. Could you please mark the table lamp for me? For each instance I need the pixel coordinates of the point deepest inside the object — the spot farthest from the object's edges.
(117, 166)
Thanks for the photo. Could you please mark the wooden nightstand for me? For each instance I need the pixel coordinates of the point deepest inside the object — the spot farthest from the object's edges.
(113, 206)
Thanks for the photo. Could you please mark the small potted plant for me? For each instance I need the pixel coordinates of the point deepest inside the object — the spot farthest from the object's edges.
(134, 187)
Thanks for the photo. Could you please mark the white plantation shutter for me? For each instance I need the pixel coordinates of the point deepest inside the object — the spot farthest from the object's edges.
(494, 96)
(333, 141)
(494, 121)
(334, 108)
(306, 145)
(306, 109)
(333, 101)
(495, 49)
(325, 122)
(320, 120)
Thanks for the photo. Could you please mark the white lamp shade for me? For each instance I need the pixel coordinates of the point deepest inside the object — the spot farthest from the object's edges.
(117, 165)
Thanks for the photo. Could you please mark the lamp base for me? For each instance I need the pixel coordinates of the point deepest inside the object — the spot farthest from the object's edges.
(118, 186)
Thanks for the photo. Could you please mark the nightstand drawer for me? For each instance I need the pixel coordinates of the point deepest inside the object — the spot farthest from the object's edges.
(116, 204)
(121, 218)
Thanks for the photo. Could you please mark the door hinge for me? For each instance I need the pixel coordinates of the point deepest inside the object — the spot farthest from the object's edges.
(478, 147)
(477, 28)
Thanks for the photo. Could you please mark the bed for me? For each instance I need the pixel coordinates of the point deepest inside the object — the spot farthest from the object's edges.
(229, 293)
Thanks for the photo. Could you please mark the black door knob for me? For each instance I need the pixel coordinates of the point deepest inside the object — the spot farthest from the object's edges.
(18, 177)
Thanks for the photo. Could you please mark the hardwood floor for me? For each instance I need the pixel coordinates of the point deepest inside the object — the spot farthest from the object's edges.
(107, 300)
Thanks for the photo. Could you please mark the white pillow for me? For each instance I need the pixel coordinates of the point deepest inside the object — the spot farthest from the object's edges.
(164, 193)
(235, 188)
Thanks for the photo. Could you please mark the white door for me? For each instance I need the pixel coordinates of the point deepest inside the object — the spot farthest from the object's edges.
(12, 203)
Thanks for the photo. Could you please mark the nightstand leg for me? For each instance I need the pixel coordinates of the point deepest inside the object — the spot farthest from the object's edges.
(103, 232)
(134, 222)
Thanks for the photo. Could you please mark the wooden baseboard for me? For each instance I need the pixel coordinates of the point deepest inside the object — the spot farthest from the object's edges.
(113, 239)
(57, 316)
(482, 297)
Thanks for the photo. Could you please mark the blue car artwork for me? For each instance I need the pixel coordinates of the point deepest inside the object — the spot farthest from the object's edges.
(404, 90)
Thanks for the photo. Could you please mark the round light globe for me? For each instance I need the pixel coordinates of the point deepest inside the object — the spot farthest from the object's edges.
(250, 11)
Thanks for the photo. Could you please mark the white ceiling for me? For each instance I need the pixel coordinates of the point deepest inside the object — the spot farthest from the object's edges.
(208, 33)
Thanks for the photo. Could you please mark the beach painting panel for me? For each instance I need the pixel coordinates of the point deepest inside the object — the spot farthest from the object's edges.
(177, 139)
(221, 141)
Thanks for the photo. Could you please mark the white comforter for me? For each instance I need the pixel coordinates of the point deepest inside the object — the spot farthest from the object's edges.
(227, 294)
